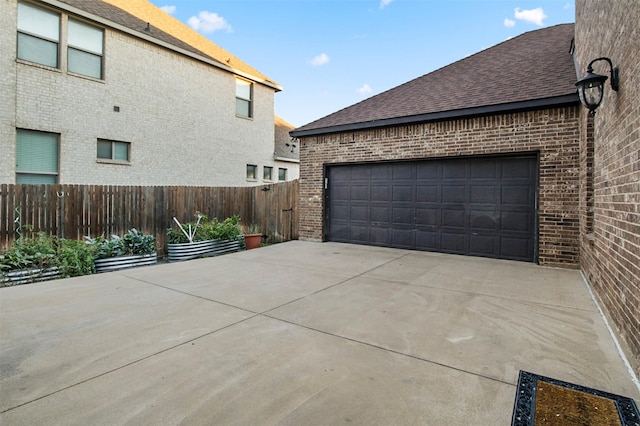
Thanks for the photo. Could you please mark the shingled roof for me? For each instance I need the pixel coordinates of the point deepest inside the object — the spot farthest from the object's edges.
(134, 15)
(533, 70)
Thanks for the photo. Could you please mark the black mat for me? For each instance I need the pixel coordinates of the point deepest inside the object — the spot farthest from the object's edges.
(545, 401)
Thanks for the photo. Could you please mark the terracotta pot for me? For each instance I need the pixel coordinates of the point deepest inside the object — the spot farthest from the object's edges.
(252, 241)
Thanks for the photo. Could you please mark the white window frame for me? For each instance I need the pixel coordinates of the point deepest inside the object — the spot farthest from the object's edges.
(242, 98)
(280, 171)
(254, 167)
(267, 177)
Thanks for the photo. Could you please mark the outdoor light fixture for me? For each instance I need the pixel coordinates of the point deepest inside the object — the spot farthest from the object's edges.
(591, 86)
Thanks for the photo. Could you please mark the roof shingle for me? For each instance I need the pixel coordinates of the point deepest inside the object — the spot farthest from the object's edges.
(536, 65)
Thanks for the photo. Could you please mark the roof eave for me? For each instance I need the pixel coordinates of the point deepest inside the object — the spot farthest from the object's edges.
(150, 39)
(556, 101)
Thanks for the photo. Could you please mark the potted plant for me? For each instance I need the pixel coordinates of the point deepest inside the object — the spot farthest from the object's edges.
(132, 249)
(252, 237)
(203, 237)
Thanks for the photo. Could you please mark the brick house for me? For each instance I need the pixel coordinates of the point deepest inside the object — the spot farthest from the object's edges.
(447, 161)
(610, 166)
(118, 92)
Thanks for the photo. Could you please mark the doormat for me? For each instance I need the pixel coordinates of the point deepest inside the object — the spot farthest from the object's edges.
(542, 401)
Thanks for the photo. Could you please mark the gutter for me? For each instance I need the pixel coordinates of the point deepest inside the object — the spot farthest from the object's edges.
(555, 101)
(153, 40)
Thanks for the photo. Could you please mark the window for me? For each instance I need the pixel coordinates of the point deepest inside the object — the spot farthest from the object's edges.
(38, 35)
(267, 173)
(113, 150)
(282, 174)
(36, 157)
(251, 172)
(243, 98)
(84, 49)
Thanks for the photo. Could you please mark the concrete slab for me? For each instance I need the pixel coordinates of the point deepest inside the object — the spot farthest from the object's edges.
(298, 333)
(60, 333)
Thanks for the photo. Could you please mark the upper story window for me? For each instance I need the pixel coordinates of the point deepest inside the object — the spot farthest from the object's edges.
(267, 173)
(244, 103)
(38, 35)
(84, 49)
(282, 174)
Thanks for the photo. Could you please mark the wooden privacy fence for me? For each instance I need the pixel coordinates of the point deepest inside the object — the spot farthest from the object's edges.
(76, 211)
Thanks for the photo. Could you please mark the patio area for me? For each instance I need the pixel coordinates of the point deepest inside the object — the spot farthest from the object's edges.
(300, 333)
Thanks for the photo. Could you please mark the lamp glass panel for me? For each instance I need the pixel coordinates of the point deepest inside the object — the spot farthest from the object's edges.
(592, 94)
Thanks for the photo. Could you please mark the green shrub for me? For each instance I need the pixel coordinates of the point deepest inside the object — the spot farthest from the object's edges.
(132, 243)
(205, 229)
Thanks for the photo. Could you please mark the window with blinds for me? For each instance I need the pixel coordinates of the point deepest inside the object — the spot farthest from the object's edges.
(38, 35)
(36, 157)
(84, 49)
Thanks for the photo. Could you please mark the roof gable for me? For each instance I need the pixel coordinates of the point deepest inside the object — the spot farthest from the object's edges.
(528, 69)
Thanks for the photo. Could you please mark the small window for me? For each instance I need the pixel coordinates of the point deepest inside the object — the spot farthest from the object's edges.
(282, 174)
(36, 157)
(113, 150)
(84, 49)
(38, 35)
(267, 173)
(252, 172)
(244, 93)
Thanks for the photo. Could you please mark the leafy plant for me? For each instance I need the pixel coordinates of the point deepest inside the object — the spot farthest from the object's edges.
(28, 253)
(206, 229)
(132, 243)
(75, 258)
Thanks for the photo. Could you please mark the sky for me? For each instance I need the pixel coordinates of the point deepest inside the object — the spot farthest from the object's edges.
(330, 54)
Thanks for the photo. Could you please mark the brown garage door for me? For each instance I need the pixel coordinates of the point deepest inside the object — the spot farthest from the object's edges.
(474, 206)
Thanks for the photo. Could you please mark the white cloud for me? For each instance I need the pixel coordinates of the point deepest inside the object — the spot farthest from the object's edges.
(568, 6)
(208, 22)
(169, 9)
(320, 60)
(535, 16)
(509, 22)
(365, 89)
(384, 3)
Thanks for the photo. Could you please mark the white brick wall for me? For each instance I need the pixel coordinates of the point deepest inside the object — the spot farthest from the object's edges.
(178, 114)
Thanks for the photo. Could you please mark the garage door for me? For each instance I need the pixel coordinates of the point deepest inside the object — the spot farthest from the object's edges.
(473, 206)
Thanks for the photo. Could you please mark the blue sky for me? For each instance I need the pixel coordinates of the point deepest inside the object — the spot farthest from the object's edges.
(330, 54)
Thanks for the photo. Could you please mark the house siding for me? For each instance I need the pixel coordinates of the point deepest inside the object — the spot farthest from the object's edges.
(610, 223)
(553, 133)
(177, 113)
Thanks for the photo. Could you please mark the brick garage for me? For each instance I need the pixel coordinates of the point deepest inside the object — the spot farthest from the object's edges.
(610, 166)
(553, 133)
(447, 114)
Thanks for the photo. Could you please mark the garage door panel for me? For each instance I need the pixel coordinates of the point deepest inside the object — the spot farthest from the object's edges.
(403, 216)
(403, 238)
(380, 214)
(481, 245)
(477, 206)
(516, 194)
(359, 193)
(380, 193)
(359, 213)
(484, 194)
(427, 216)
(483, 220)
(427, 193)
(454, 242)
(453, 194)
(454, 218)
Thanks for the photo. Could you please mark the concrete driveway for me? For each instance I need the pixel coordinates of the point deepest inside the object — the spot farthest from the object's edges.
(299, 333)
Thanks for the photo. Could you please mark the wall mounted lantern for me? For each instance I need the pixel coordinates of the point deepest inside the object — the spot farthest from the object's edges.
(591, 86)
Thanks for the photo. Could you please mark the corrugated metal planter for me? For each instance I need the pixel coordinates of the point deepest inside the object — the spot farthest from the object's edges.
(123, 262)
(26, 276)
(187, 251)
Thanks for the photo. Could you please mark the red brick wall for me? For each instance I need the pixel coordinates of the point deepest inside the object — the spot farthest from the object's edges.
(554, 133)
(610, 255)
